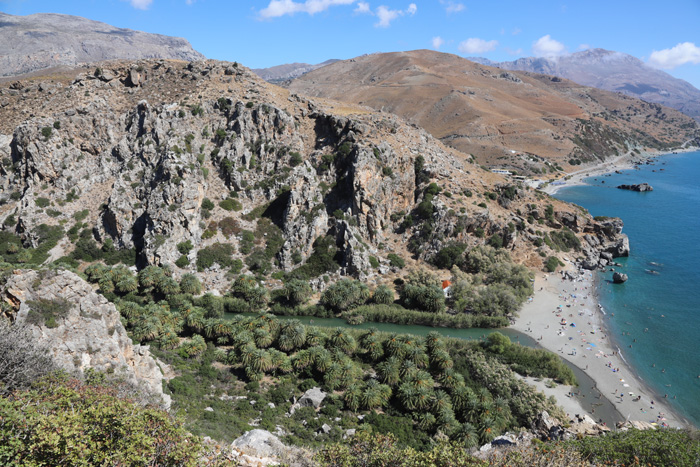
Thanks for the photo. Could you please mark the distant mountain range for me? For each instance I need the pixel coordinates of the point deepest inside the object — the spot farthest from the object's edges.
(504, 118)
(613, 71)
(288, 71)
(45, 40)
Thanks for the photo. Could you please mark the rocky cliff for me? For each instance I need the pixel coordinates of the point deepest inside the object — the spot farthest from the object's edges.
(152, 156)
(45, 40)
(80, 328)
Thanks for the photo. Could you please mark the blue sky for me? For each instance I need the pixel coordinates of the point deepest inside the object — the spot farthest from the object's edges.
(263, 33)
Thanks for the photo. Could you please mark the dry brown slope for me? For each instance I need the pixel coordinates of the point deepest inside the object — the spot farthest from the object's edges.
(489, 112)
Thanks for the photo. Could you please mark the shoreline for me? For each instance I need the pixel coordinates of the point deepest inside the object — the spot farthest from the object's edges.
(589, 347)
(623, 162)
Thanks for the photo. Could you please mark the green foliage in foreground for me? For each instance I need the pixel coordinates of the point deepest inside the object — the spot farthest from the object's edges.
(634, 447)
(649, 447)
(62, 421)
(368, 450)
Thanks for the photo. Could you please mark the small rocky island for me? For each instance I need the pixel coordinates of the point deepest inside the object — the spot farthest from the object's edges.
(638, 187)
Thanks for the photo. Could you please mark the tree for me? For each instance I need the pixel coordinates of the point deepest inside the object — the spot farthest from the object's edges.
(345, 295)
(383, 295)
(22, 361)
(189, 284)
(297, 292)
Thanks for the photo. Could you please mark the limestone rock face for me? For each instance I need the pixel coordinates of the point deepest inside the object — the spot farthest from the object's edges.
(312, 398)
(80, 327)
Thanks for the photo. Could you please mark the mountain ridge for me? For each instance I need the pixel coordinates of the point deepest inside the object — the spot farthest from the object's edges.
(612, 71)
(45, 40)
(506, 119)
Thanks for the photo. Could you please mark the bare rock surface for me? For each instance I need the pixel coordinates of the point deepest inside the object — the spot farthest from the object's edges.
(80, 327)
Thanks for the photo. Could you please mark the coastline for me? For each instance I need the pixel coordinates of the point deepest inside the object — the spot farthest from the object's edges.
(623, 162)
(590, 348)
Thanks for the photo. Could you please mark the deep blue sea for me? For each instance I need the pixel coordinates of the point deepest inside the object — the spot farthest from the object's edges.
(657, 311)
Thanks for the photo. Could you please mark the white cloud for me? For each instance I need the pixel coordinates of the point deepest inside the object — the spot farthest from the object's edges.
(437, 42)
(277, 8)
(584, 47)
(474, 45)
(190, 2)
(386, 16)
(363, 7)
(545, 46)
(687, 52)
(141, 4)
(452, 7)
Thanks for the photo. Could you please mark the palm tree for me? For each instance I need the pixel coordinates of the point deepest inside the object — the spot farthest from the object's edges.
(450, 379)
(394, 345)
(331, 378)
(189, 284)
(433, 341)
(129, 310)
(302, 359)
(441, 401)
(96, 271)
(468, 436)
(342, 340)
(195, 321)
(292, 335)
(127, 284)
(168, 286)
(168, 340)
(261, 362)
(487, 430)
(440, 359)
(352, 396)
(315, 337)
(417, 355)
(375, 395)
(322, 359)
(421, 379)
(247, 354)
(263, 338)
(425, 420)
(460, 394)
(423, 398)
(148, 276)
(389, 371)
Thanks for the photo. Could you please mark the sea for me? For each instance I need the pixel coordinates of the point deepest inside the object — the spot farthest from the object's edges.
(656, 322)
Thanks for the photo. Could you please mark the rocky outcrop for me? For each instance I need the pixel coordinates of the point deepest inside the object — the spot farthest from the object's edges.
(80, 328)
(312, 398)
(619, 278)
(642, 187)
(262, 448)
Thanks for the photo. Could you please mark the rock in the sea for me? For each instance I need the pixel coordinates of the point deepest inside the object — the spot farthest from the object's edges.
(619, 278)
(638, 187)
(80, 328)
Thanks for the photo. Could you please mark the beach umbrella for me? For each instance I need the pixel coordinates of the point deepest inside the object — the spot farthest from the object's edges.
(591, 344)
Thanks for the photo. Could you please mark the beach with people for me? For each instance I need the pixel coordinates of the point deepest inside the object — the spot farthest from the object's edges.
(564, 317)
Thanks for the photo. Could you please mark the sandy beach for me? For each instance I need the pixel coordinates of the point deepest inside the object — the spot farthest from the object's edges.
(623, 162)
(558, 303)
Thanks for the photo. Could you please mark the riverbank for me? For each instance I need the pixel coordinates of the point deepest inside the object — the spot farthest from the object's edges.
(558, 303)
(623, 162)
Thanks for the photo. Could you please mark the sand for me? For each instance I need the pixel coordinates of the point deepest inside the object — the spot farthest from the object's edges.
(622, 162)
(588, 347)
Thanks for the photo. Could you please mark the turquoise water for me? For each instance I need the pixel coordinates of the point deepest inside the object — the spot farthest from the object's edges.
(657, 312)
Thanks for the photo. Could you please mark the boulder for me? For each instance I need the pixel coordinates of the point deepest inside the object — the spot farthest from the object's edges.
(641, 187)
(312, 398)
(260, 442)
(619, 278)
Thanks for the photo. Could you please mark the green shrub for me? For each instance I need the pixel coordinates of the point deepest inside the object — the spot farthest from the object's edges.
(45, 312)
(552, 263)
(46, 132)
(42, 202)
(449, 255)
(207, 204)
(374, 262)
(230, 205)
(65, 422)
(383, 295)
(182, 262)
(396, 261)
(185, 247)
(219, 253)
